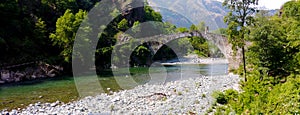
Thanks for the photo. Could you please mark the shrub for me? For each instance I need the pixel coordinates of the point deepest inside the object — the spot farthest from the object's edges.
(220, 97)
(261, 97)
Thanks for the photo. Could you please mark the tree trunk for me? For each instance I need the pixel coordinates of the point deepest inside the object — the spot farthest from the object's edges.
(244, 62)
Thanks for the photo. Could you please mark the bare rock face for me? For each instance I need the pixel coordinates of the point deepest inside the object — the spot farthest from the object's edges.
(132, 13)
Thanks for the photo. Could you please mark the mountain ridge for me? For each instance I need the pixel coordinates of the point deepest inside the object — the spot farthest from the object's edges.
(184, 13)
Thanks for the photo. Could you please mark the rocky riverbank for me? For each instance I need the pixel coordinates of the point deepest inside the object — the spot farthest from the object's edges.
(40, 70)
(190, 96)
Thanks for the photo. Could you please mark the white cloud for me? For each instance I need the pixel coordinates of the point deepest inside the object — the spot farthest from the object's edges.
(274, 4)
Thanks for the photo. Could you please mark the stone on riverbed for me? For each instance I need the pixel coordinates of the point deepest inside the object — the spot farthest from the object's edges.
(53, 104)
(115, 99)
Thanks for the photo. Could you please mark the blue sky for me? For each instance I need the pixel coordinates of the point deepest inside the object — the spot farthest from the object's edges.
(270, 4)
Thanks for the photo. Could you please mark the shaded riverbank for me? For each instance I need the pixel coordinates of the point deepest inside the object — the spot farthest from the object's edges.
(28, 72)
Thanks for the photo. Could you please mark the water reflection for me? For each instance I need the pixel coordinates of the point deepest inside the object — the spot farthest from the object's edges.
(178, 72)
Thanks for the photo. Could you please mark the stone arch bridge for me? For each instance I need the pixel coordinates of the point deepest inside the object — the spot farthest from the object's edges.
(156, 42)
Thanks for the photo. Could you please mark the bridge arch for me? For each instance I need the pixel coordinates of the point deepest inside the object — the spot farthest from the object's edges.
(220, 41)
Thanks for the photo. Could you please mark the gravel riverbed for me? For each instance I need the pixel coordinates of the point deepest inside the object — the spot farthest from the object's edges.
(177, 97)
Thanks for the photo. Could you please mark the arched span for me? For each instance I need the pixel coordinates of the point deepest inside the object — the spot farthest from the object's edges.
(219, 40)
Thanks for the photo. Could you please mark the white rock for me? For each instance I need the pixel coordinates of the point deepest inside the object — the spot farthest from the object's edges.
(41, 110)
(53, 104)
(5, 75)
(116, 99)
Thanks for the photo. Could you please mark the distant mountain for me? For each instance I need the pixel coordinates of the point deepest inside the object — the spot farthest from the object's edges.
(184, 13)
(273, 12)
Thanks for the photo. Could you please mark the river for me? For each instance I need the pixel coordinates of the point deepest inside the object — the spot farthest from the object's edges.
(63, 88)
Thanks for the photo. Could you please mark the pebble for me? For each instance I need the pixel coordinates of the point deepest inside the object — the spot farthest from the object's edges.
(41, 110)
(116, 99)
(53, 104)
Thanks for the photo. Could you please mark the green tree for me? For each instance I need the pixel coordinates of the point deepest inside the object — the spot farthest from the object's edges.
(66, 28)
(182, 30)
(151, 15)
(40, 30)
(200, 46)
(201, 26)
(193, 28)
(169, 28)
(123, 24)
(239, 16)
(269, 41)
(141, 56)
(115, 13)
(221, 31)
(291, 9)
(136, 27)
(272, 36)
(291, 18)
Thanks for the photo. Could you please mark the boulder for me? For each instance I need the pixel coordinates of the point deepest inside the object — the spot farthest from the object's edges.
(5, 75)
(33, 76)
(19, 74)
(52, 75)
(28, 76)
(17, 79)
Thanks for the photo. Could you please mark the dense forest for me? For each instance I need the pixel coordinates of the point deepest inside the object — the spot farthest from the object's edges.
(272, 63)
(26, 27)
(45, 30)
